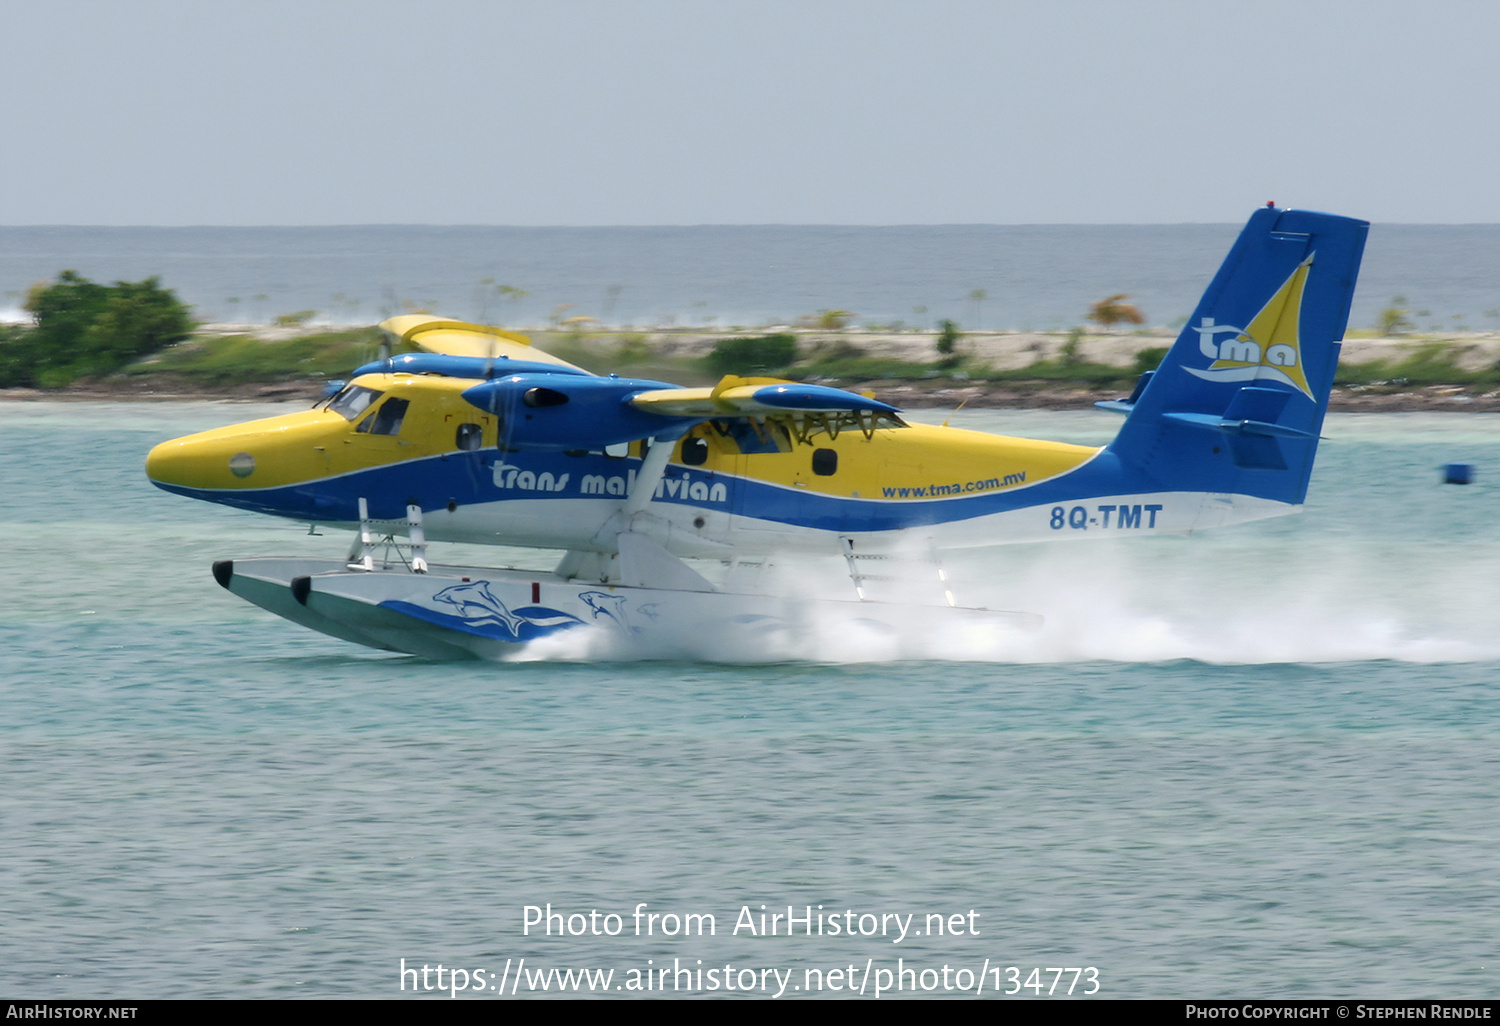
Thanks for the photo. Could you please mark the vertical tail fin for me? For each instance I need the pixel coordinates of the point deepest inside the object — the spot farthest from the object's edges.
(1237, 404)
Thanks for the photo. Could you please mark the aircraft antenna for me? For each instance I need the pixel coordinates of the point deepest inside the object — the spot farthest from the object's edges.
(960, 406)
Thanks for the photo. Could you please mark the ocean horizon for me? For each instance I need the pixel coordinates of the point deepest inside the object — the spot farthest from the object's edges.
(985, 277)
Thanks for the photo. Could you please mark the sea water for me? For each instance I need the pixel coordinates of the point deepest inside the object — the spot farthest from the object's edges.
(1032, 277)
(1259, 761)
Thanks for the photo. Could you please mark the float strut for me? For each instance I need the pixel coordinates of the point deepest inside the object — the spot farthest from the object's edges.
(418, 538)
(366, 536)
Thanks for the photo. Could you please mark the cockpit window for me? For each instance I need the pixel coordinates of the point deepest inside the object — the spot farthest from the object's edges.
(354, 400)
(754, 436)
(387, 419)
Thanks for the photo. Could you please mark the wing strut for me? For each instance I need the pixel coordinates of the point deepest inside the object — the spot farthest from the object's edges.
(653, 469)
(646, 558)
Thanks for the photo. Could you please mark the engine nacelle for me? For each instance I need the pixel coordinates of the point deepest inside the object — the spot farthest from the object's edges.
(564, 411)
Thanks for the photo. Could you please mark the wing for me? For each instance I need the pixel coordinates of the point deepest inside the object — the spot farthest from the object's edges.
(755, 397)
(558, 409)
(459, 338)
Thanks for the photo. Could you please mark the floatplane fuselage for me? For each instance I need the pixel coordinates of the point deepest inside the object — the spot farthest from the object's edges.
(484, 439)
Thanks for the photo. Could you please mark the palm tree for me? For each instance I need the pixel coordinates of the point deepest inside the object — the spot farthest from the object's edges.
(977, 297)
(1114, 310)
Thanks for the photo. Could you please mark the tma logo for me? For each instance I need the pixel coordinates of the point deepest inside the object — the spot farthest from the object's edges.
(1242, 348)
(1268, 347)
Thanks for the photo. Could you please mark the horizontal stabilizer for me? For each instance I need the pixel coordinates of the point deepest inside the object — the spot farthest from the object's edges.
(1261, 404)
(755, 397)
(1251, 421)
(1126, 405)
(1252, 411)
(1229, 426)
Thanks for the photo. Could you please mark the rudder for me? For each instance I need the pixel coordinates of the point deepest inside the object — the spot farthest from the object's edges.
(1237, 405)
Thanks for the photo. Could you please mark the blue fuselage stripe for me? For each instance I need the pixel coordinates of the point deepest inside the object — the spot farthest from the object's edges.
(487, 477)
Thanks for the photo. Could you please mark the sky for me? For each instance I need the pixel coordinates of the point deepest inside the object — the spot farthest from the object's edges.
(675, 112)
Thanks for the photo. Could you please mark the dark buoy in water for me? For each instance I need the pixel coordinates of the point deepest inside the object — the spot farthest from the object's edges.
(1458, 473)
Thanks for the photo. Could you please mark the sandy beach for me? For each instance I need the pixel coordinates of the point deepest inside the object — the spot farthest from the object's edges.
(999, 350)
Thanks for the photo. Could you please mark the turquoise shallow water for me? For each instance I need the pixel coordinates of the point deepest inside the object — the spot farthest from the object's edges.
(1257, 762)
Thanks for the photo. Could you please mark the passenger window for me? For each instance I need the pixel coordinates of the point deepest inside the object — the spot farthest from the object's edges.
(387, 419)
(694, 451)
(469, 437)
(825, 462)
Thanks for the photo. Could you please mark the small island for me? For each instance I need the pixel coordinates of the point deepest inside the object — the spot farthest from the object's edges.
(136, 341)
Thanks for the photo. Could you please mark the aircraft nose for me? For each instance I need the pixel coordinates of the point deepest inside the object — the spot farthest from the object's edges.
(259, 456)
(199, 461)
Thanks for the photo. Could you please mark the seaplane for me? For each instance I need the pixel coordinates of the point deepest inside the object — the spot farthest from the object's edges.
(639, 488)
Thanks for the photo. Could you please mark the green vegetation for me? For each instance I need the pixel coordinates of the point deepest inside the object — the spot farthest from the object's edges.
(632, 348)
(1148, 360)
(1068, 355)
(238, 359)
(488, 292)
(1394, 319)
(1065, 368)
(864, 368)
(977, 297)
(759, 354)
(626, 353)
(947, 340)
(1430, 363)
(16, 357)
(84, 329)
(847, 363)
(826, 320)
